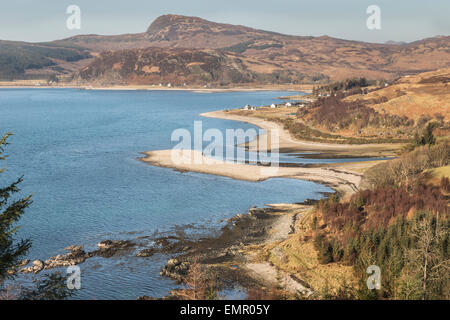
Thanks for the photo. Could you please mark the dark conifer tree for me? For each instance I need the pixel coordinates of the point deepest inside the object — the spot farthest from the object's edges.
(11, 210)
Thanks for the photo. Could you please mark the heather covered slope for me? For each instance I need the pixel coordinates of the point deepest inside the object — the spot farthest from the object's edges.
(162, 65)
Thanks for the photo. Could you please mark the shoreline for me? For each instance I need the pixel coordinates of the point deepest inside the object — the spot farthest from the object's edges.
(199, 89)
(343, 177)
(338, 178)
(239, 261)
(289, 144)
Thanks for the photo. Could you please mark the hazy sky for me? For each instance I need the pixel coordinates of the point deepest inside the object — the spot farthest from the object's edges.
(44, 20)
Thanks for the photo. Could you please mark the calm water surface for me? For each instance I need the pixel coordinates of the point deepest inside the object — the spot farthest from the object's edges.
(78, 153)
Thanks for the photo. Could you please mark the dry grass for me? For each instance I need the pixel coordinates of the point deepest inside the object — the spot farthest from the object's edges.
(297, 256)
(437, 174)
(423, 94)
(441, 172)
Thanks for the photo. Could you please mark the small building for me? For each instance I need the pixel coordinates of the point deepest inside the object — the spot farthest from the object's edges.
(288, 104)
(273, 106)
(247, 107)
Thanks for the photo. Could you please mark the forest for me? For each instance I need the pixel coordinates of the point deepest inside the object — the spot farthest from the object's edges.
(398, 221)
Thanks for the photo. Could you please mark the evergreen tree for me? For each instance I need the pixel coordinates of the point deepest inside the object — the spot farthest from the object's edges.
(11, 210)
(428, 136)
(50, 286)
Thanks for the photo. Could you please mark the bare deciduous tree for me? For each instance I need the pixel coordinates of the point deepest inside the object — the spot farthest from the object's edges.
(426, 270)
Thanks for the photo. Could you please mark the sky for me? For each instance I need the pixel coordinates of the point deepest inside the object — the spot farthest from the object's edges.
(401, 20)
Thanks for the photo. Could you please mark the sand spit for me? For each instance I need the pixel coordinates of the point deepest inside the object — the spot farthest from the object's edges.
(342, 180)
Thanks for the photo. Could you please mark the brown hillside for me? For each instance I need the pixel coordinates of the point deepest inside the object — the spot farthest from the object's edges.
(163, 65)
(308, 59)
(280, 58)
(414, 96)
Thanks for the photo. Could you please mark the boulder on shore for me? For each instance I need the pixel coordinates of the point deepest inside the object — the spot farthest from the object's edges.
(175, 269)
(76, 256)
(146, 252)
(37, 266)
(108, 248)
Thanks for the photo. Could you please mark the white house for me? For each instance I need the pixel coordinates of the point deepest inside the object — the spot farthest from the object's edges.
(288, 104)
(247, 107)
(273, 105)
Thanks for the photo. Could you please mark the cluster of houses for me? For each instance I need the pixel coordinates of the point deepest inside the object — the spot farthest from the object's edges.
(274, 106)
(169, 85)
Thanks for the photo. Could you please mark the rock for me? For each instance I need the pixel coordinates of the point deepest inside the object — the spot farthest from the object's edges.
(37, 266)
(76, 256)
(106, 244)
(73, 248)
(23, 263)
(108, 248)
(146, 252)
(175, 269)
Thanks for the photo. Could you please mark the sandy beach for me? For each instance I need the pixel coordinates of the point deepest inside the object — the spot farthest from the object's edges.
(339, 178)
(285, 219)
(342, 177)
(287, 143)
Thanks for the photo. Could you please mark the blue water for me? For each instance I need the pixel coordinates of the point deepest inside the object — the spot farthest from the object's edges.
(78, 153)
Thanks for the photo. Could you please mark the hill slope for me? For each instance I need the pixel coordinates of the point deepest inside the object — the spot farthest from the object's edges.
(280, 57)
(425, 94)
(310, 58)
(19, 60)
(163, 65)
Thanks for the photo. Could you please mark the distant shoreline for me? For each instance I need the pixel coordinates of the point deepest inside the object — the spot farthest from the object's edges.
(291, 88)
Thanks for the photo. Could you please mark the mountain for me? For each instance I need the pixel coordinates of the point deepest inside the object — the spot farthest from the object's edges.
(178, 66)
(271, 55)
(193, 32)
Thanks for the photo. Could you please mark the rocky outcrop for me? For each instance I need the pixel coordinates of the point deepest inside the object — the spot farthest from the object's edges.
(146, 253)
(175, 269)
(37, 266)
(76, 256)
(108, 248)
